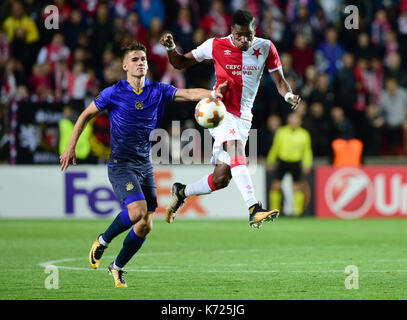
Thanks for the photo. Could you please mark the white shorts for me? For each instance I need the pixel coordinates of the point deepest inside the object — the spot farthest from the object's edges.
(232, 128)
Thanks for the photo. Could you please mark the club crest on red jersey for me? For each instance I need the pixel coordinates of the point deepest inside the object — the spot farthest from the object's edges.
(257, 53)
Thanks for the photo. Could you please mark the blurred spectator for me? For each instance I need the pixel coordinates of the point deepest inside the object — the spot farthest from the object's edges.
(361, 70)
(318, 24)
(183, 29)
(375, 85)
(323, 92)
(174, 77)
(364, 49)
(62, 73)
(22, 34)
(135, 28)
(73, 28)
(4, 137)
(394, 69)
(119, 32)
(266, 135)
(217, 22)
(319, 127)
(4, 48)
(402, 23)
(371, 131)
(77, 81)
(93, 86)
(150, 9)
(84, 44)
(12, 77)
(370, 82)
(121, 8)
(331, 10)
(88, 7)
(302, 24)
(252, 5)
(309, 82)
(102, 35)
(302, 54)
(100, 138)
(380, 27)
(273, 27)
(40, 81)
(329, 54)
(157, 53)
(402, 31)
(345, 84)
(110, 69)
(198, 75)
(54, 52)
(393, 106)
(19, 26)
(287, 63)
(342, 128)
(33, 9)
(391, 46)
(64, 11)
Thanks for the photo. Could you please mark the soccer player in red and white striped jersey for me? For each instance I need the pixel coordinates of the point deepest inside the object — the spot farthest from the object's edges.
(239, 59)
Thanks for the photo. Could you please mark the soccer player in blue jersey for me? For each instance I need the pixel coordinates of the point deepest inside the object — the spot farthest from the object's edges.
(135, 108)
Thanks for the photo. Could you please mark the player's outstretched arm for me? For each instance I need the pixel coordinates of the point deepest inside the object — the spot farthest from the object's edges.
(177, 60)
(284, 89)
(198, 93)
(69, 154)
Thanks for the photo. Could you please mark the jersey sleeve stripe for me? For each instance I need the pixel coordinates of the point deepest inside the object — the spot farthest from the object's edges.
(272, 70)
(173, 95)
(97, 105)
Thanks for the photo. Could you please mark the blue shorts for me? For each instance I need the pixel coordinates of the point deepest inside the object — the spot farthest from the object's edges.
(134, 183)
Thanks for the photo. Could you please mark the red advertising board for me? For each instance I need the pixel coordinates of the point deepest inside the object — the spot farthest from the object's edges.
(369, 191)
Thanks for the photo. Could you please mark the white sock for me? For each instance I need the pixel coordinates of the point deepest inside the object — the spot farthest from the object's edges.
(116, 267)
(199, 187)
(243, 181)
(102, 241)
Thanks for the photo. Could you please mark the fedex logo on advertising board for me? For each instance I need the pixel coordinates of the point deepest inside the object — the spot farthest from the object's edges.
(351, 193)
(96, 196)
(84, 194)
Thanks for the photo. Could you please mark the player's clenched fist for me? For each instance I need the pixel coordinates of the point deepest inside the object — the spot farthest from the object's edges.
(167, 41)
(292, 99)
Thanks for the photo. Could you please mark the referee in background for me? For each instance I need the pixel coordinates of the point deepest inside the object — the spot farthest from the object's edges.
(291, 152)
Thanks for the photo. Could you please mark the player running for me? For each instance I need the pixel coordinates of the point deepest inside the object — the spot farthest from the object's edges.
(240, 59)
(135, 108)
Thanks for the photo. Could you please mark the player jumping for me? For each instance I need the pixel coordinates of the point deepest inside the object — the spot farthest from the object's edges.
(135, 108)
(239, 59)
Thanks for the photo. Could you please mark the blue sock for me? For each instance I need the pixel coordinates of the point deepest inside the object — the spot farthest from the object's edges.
(119, 225)
(131, 244)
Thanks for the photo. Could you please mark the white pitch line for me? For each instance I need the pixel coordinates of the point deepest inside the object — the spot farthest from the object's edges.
(176, 269)
(227, 271)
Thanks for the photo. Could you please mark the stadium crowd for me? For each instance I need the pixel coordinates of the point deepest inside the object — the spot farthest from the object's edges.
(353, 82)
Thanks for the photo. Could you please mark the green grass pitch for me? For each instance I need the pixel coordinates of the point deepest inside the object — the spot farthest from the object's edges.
(210, 260)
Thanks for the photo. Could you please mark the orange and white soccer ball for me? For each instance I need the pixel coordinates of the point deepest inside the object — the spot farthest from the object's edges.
(210, 114)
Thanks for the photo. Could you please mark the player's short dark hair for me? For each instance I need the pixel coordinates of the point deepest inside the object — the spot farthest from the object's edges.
(242, 18)
(133, 46)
